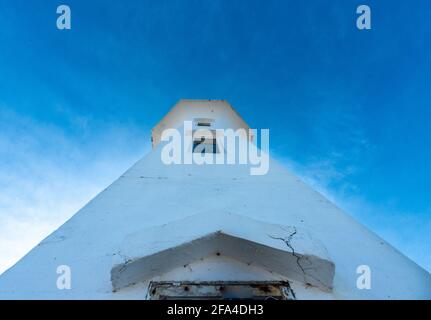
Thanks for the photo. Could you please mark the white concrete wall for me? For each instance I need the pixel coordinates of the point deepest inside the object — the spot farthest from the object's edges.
(151, 194)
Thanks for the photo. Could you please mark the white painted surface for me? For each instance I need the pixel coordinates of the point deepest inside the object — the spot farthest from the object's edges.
(151, 194)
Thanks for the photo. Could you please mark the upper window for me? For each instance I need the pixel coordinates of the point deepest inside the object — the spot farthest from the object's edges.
(203, 122)
(205, 145)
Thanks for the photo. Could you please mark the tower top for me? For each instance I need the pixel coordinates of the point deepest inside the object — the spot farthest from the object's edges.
(211, 114)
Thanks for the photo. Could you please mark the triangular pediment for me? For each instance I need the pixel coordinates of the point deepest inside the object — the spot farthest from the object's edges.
(283, 250)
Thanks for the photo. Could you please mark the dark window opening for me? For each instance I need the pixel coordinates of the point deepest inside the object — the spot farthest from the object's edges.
(204, 145)
(204, 124)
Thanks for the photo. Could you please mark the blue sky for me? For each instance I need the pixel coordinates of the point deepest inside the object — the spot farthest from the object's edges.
(348, 110)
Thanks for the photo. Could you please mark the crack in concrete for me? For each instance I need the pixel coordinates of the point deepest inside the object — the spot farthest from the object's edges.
(126, 261)
(288, 243)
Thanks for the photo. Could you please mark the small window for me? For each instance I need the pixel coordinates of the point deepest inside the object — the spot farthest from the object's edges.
(205, 145)
(203, 122)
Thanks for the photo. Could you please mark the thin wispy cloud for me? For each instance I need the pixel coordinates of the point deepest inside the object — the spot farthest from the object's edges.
(408, 232)
(46, 176)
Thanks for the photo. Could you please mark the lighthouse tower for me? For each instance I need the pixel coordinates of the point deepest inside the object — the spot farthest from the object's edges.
(197, 231)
